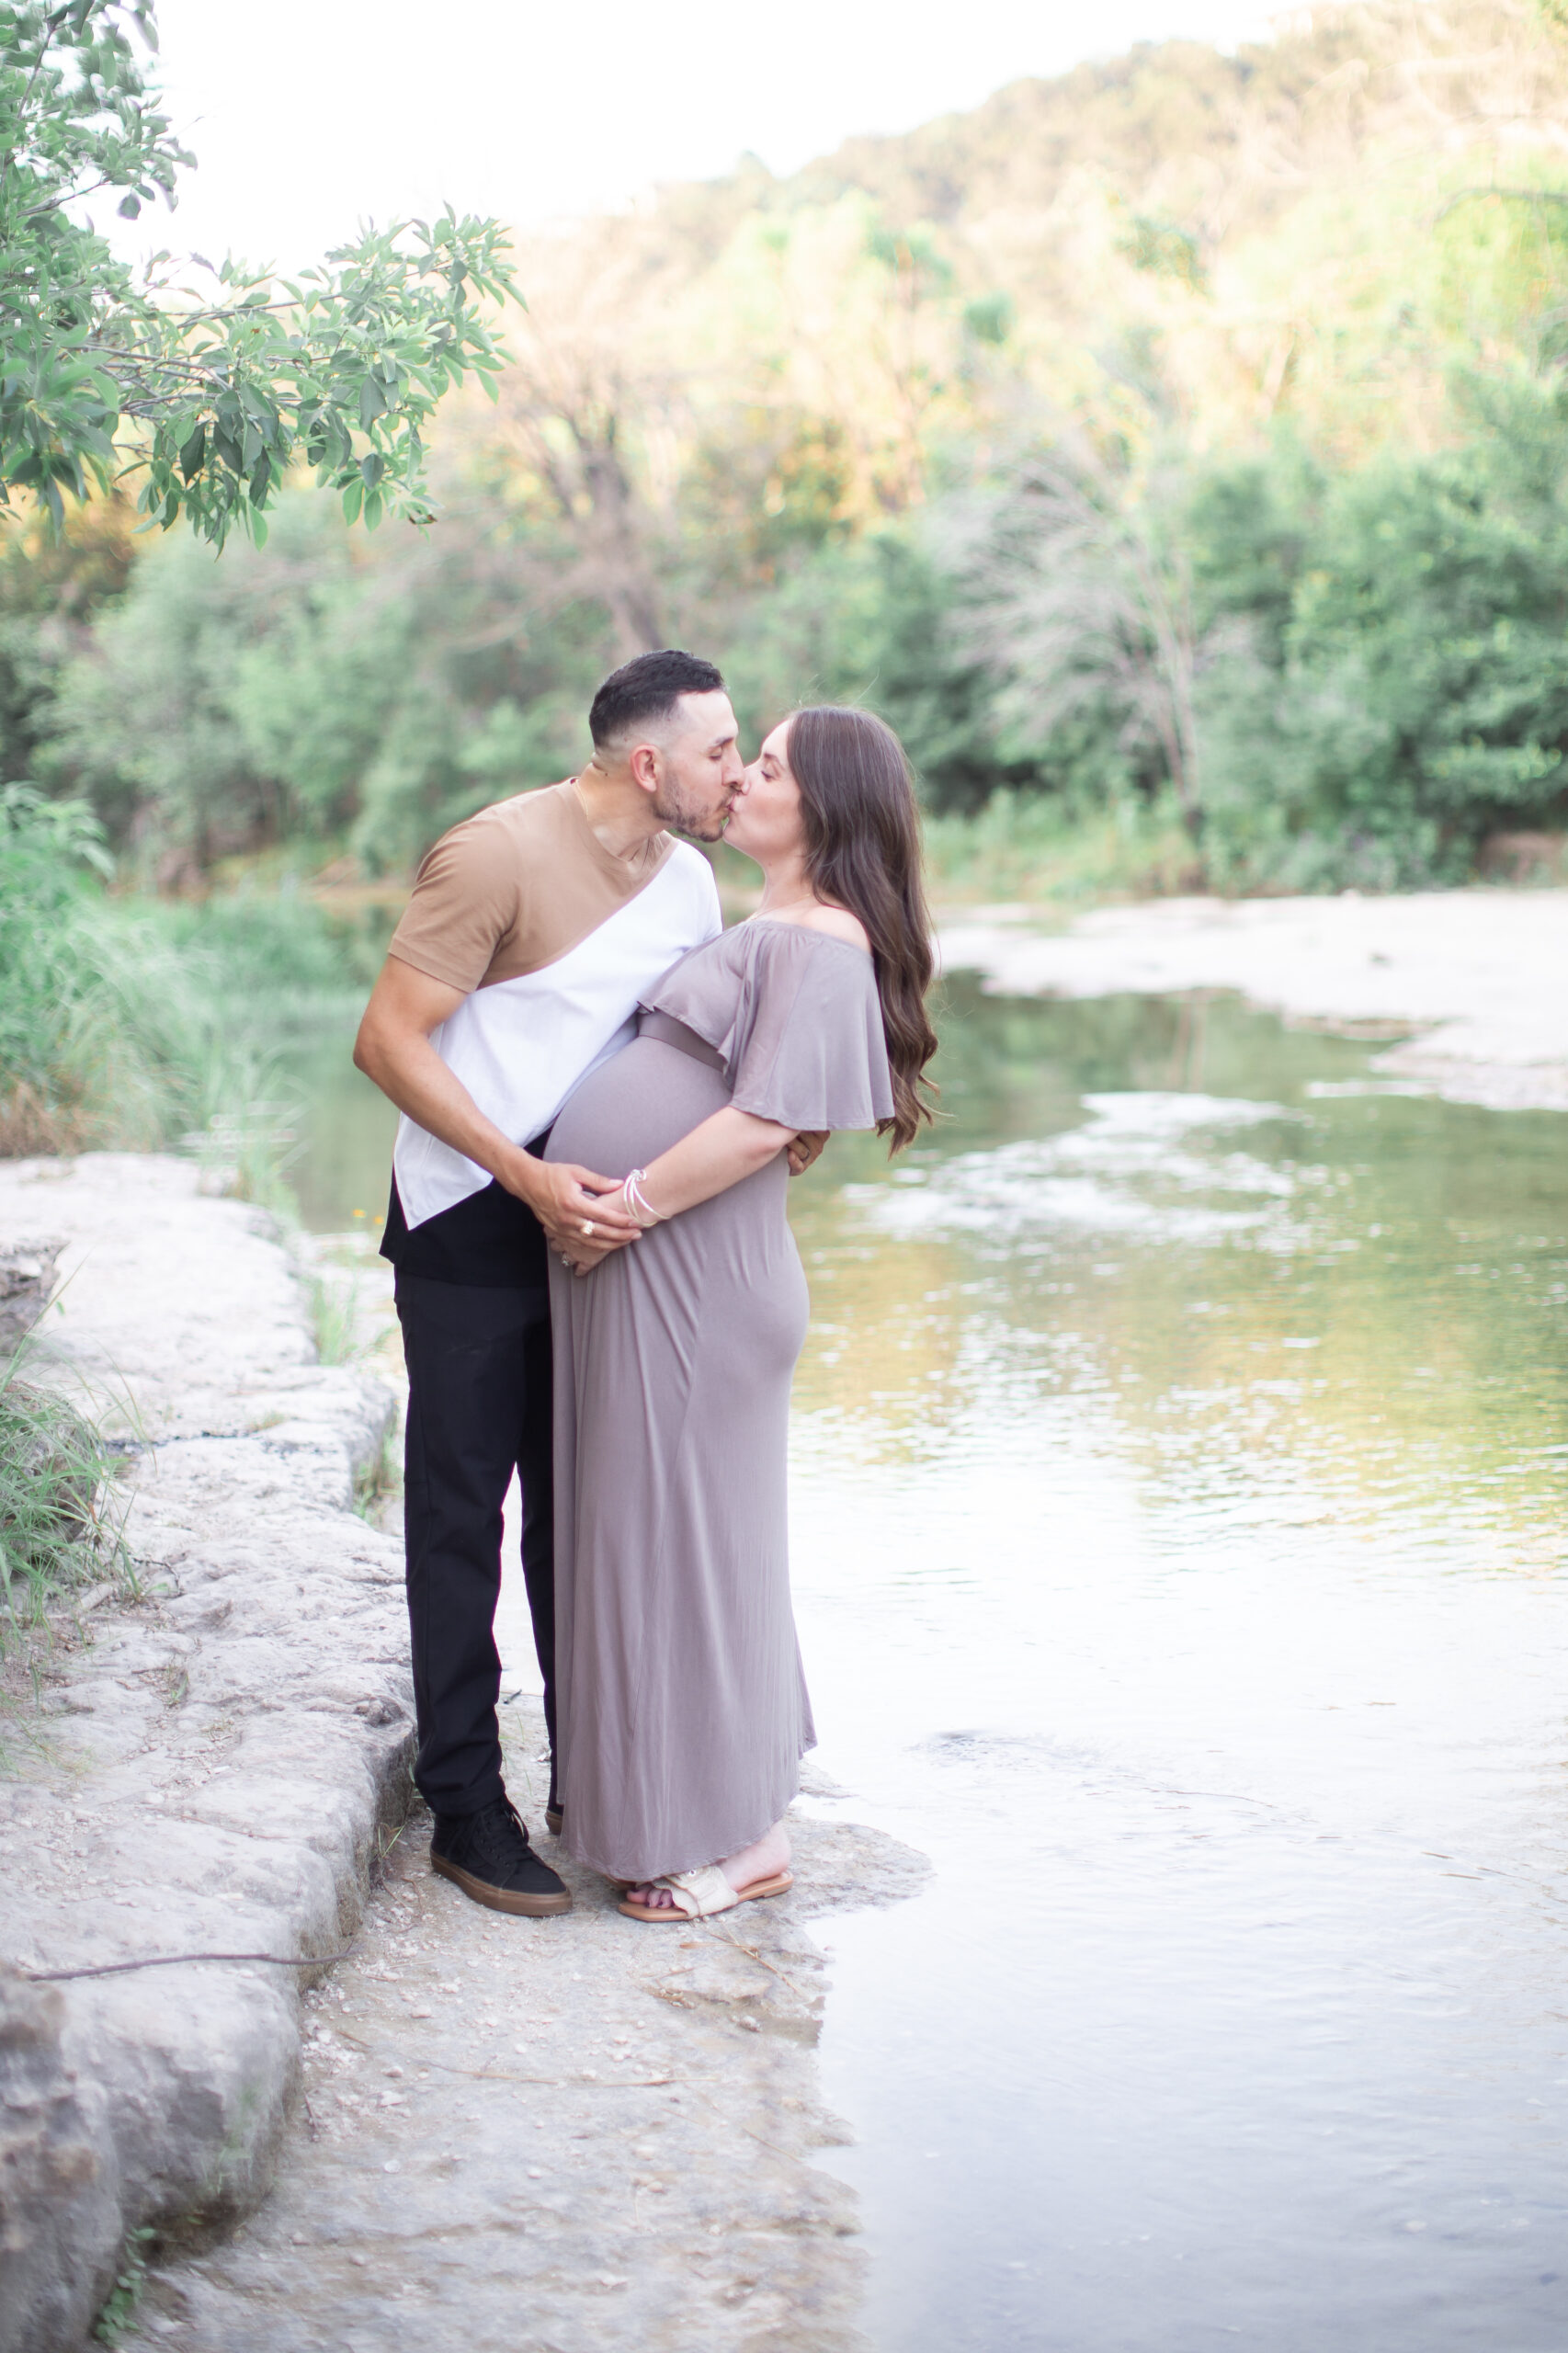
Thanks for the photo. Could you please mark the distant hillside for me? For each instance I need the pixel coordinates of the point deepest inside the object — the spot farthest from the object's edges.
(1288, 232)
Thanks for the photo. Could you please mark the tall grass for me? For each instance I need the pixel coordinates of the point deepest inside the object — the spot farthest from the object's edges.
(60, 1529)
(105, 1034)
(136, 1024)
(1028, 847)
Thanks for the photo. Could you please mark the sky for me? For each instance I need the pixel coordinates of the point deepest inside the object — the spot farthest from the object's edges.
(315, 114)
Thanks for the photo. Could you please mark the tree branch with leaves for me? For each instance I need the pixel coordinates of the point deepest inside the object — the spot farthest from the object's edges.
(203, 383)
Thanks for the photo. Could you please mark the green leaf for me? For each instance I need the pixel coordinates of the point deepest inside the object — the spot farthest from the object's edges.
(353, 499)
(216, 378)
(372, 467)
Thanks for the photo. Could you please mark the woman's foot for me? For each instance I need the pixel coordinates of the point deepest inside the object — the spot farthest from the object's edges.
(764, 1860)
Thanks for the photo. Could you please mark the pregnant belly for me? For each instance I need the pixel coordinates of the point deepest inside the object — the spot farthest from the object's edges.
(634, 1106)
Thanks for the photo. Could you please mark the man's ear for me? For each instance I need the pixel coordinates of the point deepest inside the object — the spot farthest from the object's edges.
(644, 767)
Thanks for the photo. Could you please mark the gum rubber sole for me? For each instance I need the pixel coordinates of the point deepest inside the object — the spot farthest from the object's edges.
(503, 1899)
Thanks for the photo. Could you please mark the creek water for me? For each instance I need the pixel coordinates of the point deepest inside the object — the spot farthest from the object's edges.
(1180, 1456)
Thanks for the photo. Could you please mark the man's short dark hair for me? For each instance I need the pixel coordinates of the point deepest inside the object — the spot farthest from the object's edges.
(647, 688)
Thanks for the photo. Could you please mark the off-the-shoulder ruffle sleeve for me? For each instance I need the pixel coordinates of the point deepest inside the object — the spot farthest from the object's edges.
(796, 1017)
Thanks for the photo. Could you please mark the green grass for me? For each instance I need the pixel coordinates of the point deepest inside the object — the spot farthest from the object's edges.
(334, 1314)
(136, 1024)
(59, 1523)
(1025, 846)
(376, 1483)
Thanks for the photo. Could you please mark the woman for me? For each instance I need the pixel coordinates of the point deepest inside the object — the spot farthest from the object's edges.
(684, 1713)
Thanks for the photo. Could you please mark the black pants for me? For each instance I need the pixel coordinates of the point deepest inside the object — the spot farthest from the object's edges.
(478, 1408)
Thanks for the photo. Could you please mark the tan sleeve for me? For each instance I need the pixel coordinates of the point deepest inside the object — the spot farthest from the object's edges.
(466, 901)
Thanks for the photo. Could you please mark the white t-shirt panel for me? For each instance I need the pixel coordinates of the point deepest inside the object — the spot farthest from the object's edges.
(519, 1047)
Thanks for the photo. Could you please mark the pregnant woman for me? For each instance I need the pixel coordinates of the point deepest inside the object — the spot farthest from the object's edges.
(684, 1713)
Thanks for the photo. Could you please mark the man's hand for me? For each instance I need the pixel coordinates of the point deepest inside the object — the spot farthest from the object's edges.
(568, 1201)
(807, 1147)
(394, 1049)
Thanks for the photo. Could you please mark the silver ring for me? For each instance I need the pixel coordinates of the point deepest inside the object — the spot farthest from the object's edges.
(587, 1225)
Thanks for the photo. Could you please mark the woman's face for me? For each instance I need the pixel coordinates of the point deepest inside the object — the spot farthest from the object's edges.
(765, 822)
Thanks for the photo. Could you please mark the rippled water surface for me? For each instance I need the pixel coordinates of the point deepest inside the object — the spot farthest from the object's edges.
(1180, 1456)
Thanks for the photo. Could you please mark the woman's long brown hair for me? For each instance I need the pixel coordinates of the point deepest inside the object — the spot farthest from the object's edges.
(862, 837)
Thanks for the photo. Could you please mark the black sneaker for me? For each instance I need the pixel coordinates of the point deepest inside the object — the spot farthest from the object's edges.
(488, 1856)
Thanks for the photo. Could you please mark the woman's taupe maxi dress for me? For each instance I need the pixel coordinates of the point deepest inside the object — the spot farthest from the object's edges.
(683, 1708)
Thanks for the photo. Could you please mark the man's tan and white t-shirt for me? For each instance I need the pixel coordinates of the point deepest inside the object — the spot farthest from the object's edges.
(554, 941)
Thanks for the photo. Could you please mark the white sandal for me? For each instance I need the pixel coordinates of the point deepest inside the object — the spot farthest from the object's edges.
(696, 1895)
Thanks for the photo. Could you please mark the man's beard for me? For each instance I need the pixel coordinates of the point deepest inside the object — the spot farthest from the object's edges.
(672, 806)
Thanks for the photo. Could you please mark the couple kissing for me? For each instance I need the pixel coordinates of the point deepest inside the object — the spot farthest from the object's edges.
(603, 1096)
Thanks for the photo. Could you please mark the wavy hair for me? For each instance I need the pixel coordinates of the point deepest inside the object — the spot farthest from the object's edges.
(862, 842)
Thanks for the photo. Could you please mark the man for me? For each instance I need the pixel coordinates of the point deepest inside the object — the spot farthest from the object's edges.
(516, 969)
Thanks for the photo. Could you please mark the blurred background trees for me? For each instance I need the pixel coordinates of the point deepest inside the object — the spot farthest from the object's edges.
(1174, 452)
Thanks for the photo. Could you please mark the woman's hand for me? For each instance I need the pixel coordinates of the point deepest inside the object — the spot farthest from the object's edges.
(806, 1148)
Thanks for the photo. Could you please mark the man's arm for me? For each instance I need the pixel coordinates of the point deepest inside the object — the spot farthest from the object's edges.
(394, 1049)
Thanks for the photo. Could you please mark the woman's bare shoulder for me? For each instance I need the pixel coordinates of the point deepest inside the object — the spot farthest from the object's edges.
(838, 923)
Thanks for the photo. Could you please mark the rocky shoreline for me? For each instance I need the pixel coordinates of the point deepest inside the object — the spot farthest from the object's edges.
(212, 1765)
(220, 1766)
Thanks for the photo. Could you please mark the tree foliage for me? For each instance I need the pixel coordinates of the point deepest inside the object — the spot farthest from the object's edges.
(205, 382)
(1184, 434)
(1076, 594)
(1398, 686)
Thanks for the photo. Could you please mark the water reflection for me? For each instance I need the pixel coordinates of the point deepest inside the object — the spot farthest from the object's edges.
(1178, 1500)
(1179, 1469)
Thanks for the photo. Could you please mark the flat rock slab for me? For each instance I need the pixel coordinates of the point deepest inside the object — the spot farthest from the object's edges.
(215, 1765)
(1480, 977)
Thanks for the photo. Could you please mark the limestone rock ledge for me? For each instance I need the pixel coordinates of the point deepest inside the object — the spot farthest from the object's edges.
(215, 1763)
